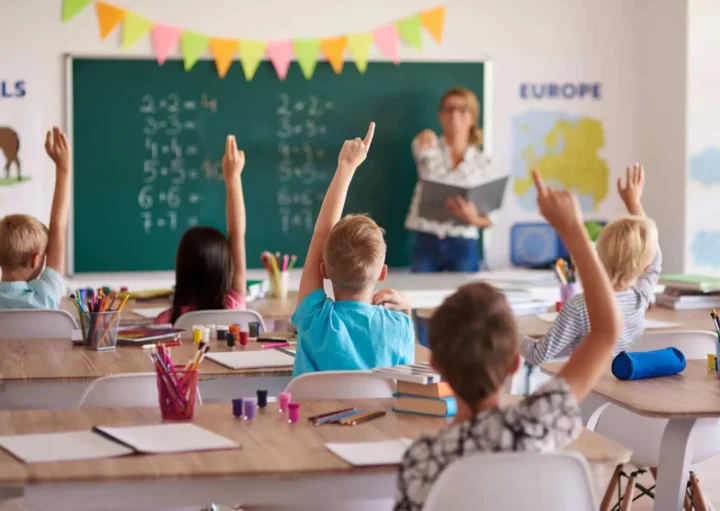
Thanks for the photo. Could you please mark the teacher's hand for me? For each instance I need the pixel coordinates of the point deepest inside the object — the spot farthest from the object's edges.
(426, 139)
(466, 212)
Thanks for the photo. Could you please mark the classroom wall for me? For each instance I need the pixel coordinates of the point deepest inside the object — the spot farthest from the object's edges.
(610, 43)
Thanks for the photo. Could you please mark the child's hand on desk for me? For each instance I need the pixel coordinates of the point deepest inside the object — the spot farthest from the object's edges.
(354, 152)
(58, 149)
(233, 161)
(560, 208)
(391, 299)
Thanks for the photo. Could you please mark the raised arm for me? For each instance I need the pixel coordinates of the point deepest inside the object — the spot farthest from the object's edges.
(631, 192)
(592, 356)
(233, 165)
(58, 149)
(352, 154)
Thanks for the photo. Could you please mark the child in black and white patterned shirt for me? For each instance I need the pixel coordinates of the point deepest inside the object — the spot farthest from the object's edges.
(474, 344)
(628, 248)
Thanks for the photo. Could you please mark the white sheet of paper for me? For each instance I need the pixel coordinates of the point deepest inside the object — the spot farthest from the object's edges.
(653, 324)
(150, 312)
(548, 317)
(72, 446)
(168, 438)
(76, 335)
(358, 454)
(251, 359)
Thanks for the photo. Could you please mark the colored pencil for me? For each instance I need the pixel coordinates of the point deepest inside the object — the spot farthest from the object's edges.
(328, 414)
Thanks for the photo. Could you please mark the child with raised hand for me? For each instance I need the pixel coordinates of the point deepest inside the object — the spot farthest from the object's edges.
(210, 268)
(474, 343)
(628, 248)
(32, 257)
(359, 329)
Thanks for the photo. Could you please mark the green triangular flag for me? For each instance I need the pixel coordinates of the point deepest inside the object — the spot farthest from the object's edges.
(410, 30)
(251, 53)
(306, 51)
(134, 27)
(192, 45)
(71, 8)
(359, 47)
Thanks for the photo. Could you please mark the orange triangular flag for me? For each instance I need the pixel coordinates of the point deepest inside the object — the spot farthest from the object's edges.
(108, 17)
(334, 50)
(434, 21)
(223, 50)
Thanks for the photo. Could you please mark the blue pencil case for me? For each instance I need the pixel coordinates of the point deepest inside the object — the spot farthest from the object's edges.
(648, 364)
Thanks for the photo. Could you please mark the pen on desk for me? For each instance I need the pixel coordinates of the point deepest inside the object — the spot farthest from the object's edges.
(366, 417)
(276, 345)
(323, 415)
(335, 417)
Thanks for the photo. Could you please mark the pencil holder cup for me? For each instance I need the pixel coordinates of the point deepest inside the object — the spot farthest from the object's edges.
(177, 392)
(567, 291)
(279, 285)
(100, 330)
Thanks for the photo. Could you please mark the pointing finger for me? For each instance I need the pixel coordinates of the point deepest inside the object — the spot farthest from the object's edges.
(539, 185)
(369, 136)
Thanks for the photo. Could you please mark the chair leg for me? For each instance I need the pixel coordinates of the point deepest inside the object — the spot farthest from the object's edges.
(629, 489)
(698, 499)
(606, 504)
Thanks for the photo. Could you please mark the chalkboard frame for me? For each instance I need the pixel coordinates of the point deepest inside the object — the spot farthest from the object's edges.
(486, 115)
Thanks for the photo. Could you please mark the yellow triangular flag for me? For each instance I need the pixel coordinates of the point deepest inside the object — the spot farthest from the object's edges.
(251, 53)
(134, 27)
(223, 50)
(108, 17)
(434, 21)
(359, 47)
(334, 50)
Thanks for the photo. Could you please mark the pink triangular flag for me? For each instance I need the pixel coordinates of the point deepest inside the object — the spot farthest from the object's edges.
(164, 39)
(387, 40)
(280, 54)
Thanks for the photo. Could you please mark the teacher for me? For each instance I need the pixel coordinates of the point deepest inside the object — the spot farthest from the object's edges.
(450, 245)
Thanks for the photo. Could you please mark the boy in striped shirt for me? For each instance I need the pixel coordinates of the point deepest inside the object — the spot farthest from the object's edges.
(629, 250)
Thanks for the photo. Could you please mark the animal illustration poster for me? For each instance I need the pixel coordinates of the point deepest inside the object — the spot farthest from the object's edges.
(25, 175)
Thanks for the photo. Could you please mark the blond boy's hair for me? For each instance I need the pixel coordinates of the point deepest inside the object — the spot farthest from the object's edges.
(626, 248)
(354, 252)
(21, 236)
(474, 341)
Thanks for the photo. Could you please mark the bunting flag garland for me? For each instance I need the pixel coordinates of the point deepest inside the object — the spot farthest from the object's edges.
(193, 45)
(251, 53)
(134, 27)
(334, 50)
(306, 51)
(434, 21)
(359, 46)
(108, 17)
(223, 50)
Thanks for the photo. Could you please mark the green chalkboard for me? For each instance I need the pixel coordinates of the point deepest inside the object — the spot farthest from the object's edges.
(149, 141)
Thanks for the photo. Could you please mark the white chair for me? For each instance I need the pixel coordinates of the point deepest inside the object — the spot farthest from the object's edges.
(219, 317)
(557, 481)
(643, 435)
(36, 323)
(340, 385)
(123, 391)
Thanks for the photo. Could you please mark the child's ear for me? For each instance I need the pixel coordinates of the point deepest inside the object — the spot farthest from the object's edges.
(323, 270)
(517, 364)
(383, 273)
(36, 260)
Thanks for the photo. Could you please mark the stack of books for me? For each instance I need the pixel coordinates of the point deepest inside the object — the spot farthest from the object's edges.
(685, 292)
(420, 390)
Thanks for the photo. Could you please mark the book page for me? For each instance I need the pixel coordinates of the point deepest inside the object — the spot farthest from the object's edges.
(252, 359)
(358, 454)
(71, 446)
(168, 438)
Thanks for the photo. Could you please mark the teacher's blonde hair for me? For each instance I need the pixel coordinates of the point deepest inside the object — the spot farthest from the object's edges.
(474, 105)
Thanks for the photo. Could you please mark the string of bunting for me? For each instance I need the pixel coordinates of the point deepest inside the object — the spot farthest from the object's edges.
(193, 45)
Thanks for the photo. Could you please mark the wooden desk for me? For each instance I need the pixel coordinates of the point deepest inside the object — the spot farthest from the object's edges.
(53, 373)
(278, 463)
(687, 400)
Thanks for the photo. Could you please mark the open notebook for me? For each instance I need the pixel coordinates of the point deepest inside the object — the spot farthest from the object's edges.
(252, 359)
(108, 442)
(358, 454)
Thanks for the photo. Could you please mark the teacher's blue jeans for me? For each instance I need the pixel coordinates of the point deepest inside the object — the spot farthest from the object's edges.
(432, 254)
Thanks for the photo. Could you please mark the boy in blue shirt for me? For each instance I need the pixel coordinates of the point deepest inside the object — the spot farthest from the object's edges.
(359, 329)
(27, 281)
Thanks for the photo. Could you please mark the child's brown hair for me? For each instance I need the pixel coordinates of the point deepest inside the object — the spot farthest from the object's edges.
(474, 341)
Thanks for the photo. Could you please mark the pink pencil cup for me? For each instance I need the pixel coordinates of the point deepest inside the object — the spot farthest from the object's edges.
(177, 392)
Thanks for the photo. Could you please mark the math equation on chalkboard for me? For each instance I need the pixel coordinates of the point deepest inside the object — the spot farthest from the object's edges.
(173, 162)
(303, 168)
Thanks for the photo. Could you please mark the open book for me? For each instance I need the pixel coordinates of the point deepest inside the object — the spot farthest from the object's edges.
(487, 195)
(108, 442)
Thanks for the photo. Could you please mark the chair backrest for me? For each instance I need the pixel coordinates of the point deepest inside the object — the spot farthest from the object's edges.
(121, 391)
(36, 323)
(557, 481)
(219, 317)
(695, 344)
(340, 385)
